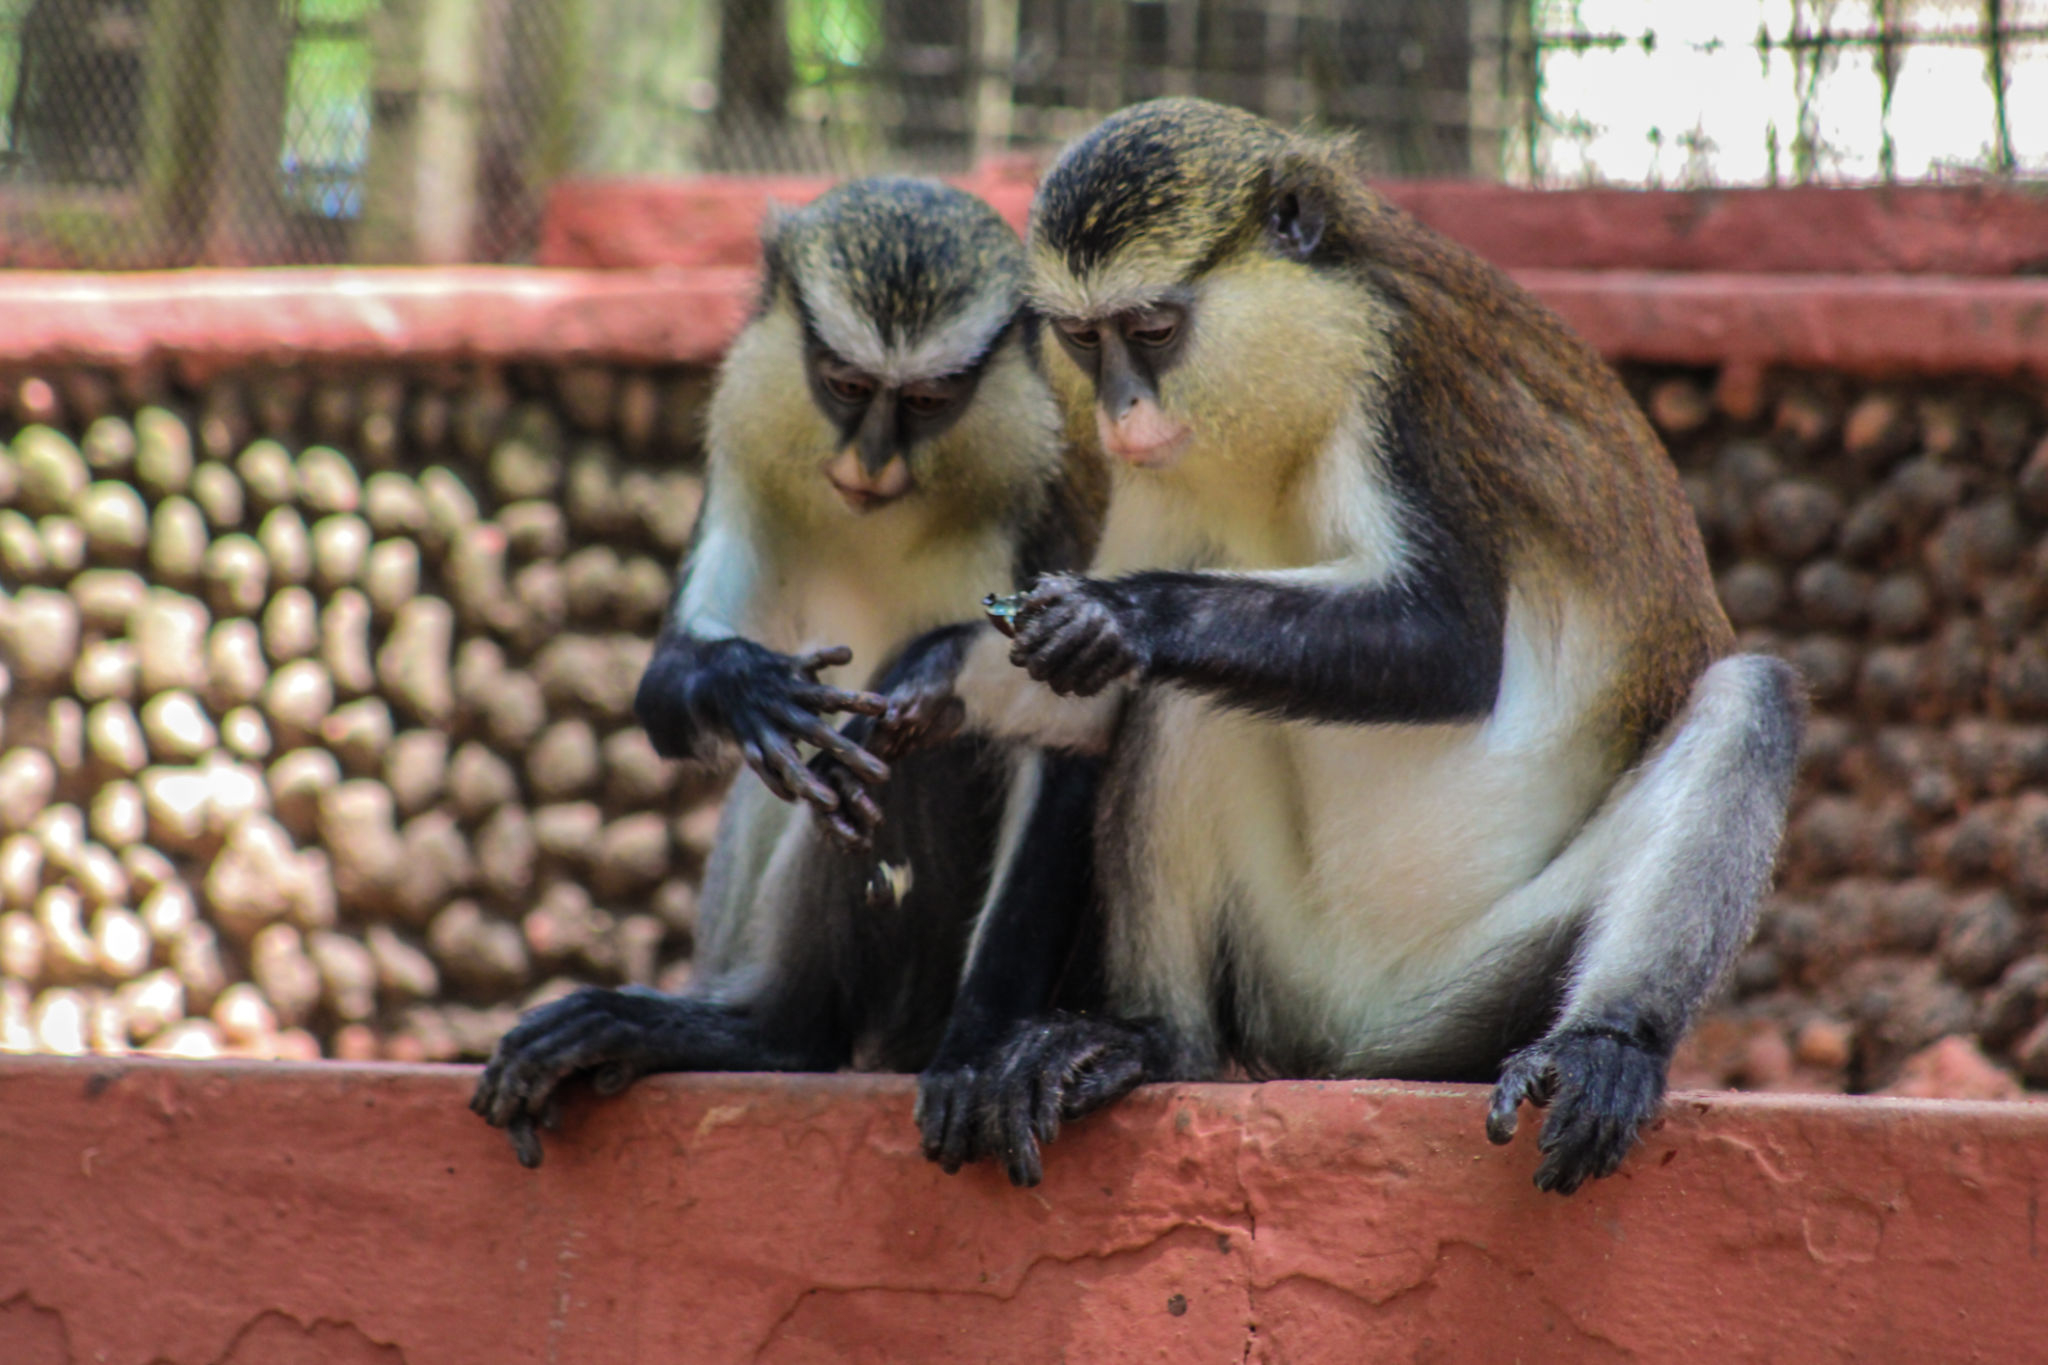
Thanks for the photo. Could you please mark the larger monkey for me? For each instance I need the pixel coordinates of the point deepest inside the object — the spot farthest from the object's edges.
(1433, 761)
(882, 446)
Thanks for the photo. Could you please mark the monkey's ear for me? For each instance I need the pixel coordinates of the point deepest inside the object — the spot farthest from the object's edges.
(1296, 212)
(775, 216)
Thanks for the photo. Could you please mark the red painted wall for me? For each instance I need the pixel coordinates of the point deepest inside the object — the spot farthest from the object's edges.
(161, 1213)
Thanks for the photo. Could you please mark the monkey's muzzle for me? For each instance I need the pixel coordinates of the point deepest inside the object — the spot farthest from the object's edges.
(862, 490)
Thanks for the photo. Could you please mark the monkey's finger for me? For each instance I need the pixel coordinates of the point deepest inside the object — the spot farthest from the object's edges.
(757, 759)
(845, 833)
(859, 761)
(829, 657)
(789, 765)
(826, 700)
(525, 1141)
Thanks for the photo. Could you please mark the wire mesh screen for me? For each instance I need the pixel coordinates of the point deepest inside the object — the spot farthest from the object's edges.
(173, 132)
(1784, 91)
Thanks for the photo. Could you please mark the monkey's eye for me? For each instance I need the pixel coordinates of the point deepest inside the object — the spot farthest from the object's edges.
(849, 388)
(1154, 333)
(928, 399)
(1083, 335)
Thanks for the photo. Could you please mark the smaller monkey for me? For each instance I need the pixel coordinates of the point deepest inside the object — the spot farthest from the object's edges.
(881, 442)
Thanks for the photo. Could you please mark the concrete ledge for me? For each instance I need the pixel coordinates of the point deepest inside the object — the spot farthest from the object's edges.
(1914, 229)
(215, 319)
(159, 1213)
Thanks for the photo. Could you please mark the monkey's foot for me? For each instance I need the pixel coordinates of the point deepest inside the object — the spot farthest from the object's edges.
(1052, 1070)
(611, 1036)
(1601, 1086)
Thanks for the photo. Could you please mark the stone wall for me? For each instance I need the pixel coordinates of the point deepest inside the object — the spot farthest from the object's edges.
(317, 732)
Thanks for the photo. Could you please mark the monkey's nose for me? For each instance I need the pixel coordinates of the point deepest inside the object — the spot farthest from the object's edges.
(863, 490)
(1142, 434)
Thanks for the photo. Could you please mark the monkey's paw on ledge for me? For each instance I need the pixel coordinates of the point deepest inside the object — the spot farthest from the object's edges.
(190, 1213)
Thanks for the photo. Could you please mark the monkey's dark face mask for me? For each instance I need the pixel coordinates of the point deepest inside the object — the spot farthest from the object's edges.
(1124, 354)
(883, 427)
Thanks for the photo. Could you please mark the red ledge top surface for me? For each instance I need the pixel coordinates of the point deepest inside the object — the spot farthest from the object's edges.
(160, 1213)
(1872, 325)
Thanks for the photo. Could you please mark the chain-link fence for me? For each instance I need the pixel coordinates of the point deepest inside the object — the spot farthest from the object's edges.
(170, 132)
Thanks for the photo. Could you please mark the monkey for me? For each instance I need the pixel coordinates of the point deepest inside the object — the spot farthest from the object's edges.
(1429, 752)
(880, 440)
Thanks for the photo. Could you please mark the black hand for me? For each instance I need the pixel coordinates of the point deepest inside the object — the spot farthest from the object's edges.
(1076, 635)
(1601, 1085)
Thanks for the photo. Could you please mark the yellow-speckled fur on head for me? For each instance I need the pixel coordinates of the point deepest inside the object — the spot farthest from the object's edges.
(906, 279)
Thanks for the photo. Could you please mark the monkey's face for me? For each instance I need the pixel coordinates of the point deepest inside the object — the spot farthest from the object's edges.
(1125, 353)
(883, 422)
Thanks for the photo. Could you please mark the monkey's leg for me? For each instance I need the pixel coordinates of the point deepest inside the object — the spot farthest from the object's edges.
(1679, 860)
(1035, 924)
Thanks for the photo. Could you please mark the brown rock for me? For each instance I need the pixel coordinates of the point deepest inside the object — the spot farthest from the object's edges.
(1831, 594)
(637, 945)
(394, 505)
(109, 445)
(1877, 430)
(632, 855)
(39, 637)
(564, 928)
(234, 673)
(2031, 1055)
(115, 736)
(21, 549)
(194, 1040)
(597, 509)
(1797, 519)
(513, 710)
(177, 728)
(268, 475)
(348, 975)
(120, 944)
(640, 595)
(1953, 1069)
(437, 863)
(590, 576)
(21, 869)
(179, 543)
(244, 1018)
(115, 521)
(341, 544)
(243, 732)
(250, 883)
(563, 762)
(327, 481)
(176, 799)
(1679, 407)
(670, 515)
(506, 850)
(1753, 592)
(477, 951)
(451, 508)
(476, 577)
(357, 827)
(21, 947)
(695, 830)
(168, 909)
(61, 829)
(117, 816)
(479, 782)
(285, 974)
(636, 776)
(219, 494)
(1983, 935)
(28, 779)
(59, 1020)
(413, 665)
(195, 957)
(106, 671)
(543, 598)
(2018, 1002)
(63, 544)
(237, 576)
(570, 831)
(675, 904)
(416, 769)
(403, 970)
(479, 414)
(53, 474)
(106, 598)
(359, 733)
(286, 544)
(534, 530)
(391, 576)
(297, 700)
(639, 411)
(153, 1002)
(522, 471)
(68, 953)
